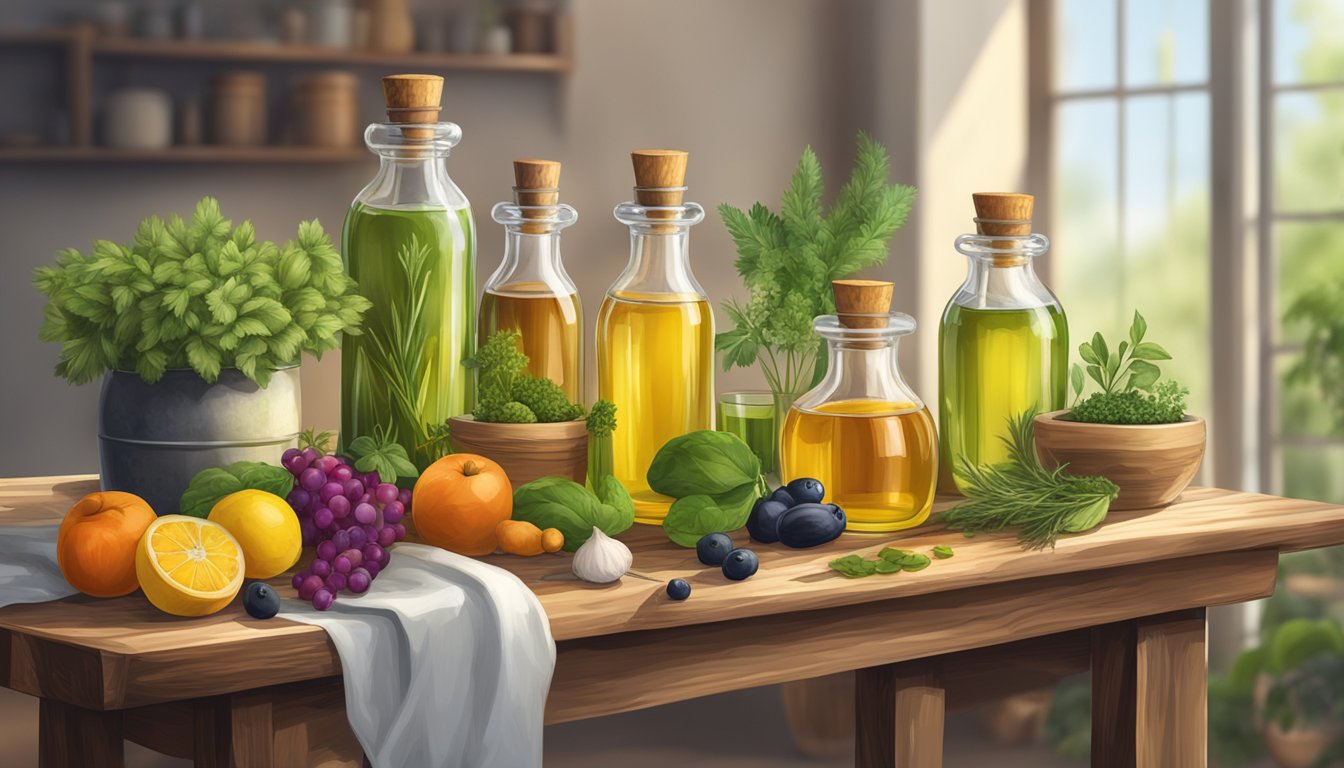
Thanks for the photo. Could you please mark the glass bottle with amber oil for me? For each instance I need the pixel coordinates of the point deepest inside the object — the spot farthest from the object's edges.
(862, 431)
(655, 330)
(1003, 346)
(530, 292)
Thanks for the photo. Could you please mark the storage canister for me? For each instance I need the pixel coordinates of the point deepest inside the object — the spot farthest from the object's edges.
(138, 118)
(237, 106)
(325, 109)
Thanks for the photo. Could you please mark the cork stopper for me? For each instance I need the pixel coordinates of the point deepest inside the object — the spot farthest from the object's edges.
(413, 99)
(660, 177)
(536, 182)
(1003, 213)
(862, 303)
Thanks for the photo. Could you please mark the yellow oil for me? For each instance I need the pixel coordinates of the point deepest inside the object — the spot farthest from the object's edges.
(550, 325)
(655, 361)
(877, 459)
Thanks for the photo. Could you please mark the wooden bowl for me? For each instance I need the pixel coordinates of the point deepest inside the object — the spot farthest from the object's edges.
(1152, 463)
(526, 451)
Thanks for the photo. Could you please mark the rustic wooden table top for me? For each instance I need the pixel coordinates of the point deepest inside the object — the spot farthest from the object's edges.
(112, 654)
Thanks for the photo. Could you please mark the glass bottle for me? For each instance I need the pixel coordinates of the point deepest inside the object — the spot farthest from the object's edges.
(1003, 346)
(410, 242)
(655, 331)
(862, 431)
(530, 292)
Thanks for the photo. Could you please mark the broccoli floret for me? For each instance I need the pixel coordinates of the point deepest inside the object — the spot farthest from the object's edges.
(498, 363)
(512, 412)
(602, 419)
(545, 398)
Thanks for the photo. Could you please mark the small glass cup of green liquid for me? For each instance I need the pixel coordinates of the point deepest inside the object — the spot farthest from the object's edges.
(751, 416)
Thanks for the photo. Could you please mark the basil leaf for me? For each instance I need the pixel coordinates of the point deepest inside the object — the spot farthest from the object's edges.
(211, 485)
(703, 463)
(611, 493)
(887, 566)
(692, 517)
(915, 563)
(942, 552)
(561, 503)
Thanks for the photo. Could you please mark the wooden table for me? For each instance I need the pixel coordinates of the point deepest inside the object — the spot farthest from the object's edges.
(1127, 598)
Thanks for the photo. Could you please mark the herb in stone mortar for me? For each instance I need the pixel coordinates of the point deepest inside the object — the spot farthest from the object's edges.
(1021, 493)
(1128, 378)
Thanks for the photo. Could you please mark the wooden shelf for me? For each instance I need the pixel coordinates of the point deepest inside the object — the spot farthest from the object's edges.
(199, 154)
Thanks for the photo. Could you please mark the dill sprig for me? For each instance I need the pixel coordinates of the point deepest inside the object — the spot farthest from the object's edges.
(1021, 493)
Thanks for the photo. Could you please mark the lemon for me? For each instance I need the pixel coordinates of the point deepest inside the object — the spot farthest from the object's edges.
(188, 566)
(266, 528)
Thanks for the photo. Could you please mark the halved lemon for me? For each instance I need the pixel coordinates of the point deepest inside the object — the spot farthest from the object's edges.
(188, 566)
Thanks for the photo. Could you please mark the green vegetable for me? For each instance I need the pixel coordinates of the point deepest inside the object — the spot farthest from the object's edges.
(692, 517)
(889, 560)
(601, 424)
(211, 485)
(1021, 493)
(506, 395)
(788, 260)
(558, 502)
(706, 463)
(856, 567)
(202, 294)
(942, 552)
(381, 453)
(318, 441)
(1128, 378)
(610, 491)
(915, 563)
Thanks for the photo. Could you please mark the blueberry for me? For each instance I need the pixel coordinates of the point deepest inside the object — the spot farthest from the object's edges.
(783, 496)
(764, 518)
(260, 600)
(806, 490)
(811, 525)
(741, 564)
(712, 548)
(678, 589)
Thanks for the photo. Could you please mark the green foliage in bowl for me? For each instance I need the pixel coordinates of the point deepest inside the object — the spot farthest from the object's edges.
(1128, 377)
(202, 294)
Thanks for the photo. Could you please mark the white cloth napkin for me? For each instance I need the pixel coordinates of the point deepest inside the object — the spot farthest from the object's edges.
(447, 660)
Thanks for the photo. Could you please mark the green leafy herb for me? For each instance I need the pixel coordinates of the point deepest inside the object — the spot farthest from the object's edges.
(558, 502)
(856, 567)
(438, 442)
(942, 552)
(692, 517)
(705, 462)
(1128, 378)
(601, 424)
(1317, 312)
(504, 394)
(202, 294)
(1021, 493)
(889, 560)
(788, 260)
(318, 441)
(211, 485)
(381, 453)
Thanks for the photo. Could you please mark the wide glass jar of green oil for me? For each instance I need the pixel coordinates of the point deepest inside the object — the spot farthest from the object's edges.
(1003, 345)
(410, 241)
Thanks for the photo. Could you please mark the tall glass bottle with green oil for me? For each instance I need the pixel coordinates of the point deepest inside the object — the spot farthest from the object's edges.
(1003, 346)
(410, 242)
(655, 331)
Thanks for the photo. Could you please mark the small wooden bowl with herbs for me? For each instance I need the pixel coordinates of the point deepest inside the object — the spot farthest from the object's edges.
(525, 423)
(1134, 432)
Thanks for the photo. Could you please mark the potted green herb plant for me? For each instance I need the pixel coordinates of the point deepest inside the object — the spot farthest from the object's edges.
(1134, 431)
(196, 329)
(789, 259)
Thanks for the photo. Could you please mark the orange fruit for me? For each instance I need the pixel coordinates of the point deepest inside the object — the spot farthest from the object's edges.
(458, 501)
(95, 546)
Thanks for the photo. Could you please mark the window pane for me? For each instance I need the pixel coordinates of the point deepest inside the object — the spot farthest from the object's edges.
(1085, 262)
(1166, 228)
(1308, 253)
(1166, 41)
(1086, 44)
(1309, 151)
(1312, 472)
(1308, 41)
(1303, 412)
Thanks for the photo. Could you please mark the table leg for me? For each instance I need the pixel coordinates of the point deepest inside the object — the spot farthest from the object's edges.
(1149, 692)
(74, 737)
(298, 725)
(899, 715)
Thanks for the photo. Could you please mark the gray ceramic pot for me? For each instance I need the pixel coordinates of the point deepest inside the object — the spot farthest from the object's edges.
(153, 438)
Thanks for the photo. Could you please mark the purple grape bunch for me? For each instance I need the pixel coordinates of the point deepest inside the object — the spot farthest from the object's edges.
(349, 516)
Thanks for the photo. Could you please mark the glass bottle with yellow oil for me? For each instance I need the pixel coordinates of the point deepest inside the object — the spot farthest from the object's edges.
(862, 431)
(655, 330)
(530, 292)
(1003, 346)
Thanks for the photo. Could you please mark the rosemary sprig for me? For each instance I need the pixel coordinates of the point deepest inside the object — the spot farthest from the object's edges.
(1021, 493)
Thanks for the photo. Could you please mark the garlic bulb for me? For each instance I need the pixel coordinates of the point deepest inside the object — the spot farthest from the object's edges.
(602, 559)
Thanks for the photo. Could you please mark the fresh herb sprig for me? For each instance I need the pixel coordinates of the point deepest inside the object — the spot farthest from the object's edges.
(601, 423)
(202, 294)
(381, 453)
(788, 260)
(1021, 493)
(1128, 377)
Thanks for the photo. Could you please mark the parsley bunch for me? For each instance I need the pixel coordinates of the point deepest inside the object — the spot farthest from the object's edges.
(1128, 378)
(507, 395)
(202, 294)
(788, 260)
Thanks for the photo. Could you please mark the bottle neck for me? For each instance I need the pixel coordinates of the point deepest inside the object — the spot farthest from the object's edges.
(412, 169)
(863, 364)
(1001, 274)
(532, 264)
(659, 253)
